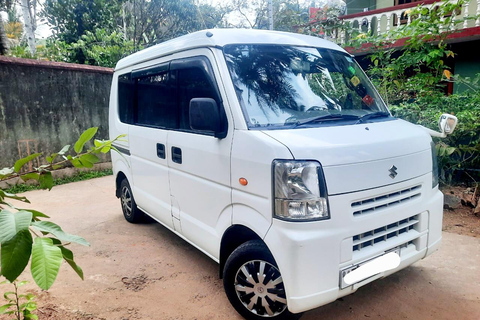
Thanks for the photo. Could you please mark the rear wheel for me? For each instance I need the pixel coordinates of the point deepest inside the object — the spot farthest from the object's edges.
(254, 285)
(129, 207)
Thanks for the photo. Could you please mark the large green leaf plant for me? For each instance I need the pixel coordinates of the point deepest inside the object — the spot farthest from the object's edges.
(26, 234)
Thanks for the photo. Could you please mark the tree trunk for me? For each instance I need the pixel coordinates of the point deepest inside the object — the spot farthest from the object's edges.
(3, 38)
(29, 28)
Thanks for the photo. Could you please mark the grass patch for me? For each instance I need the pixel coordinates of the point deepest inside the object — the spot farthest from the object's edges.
(80, 176)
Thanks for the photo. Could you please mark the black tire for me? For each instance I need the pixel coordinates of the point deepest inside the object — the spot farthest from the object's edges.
(130, 211)
(250, 294)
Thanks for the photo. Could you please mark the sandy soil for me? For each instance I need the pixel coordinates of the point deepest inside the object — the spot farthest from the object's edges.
(146, 272)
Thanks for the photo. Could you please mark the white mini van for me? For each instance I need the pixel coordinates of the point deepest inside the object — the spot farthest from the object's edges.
(274, 155)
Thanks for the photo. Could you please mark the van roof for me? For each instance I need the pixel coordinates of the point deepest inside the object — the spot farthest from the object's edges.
(220, 38)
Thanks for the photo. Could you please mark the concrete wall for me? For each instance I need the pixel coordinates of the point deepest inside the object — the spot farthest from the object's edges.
(46, 105)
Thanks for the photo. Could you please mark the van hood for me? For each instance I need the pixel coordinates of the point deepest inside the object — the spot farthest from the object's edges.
(361, 156)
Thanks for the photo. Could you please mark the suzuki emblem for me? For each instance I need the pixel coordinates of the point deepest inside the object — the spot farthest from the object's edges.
(393, 172)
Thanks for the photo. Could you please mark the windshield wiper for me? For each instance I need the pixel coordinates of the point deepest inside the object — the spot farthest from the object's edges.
(326, 117)
(378, 114)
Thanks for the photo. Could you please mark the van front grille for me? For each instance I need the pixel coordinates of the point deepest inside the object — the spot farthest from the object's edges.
(385, 233)
(386, 200)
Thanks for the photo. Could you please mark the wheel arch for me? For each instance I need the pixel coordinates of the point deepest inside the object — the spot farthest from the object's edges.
(118, 181)
(232, 238)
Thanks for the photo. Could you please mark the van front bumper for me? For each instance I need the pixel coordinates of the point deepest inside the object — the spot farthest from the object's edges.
(311, 255)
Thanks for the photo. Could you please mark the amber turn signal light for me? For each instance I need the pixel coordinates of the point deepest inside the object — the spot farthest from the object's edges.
(243, 181)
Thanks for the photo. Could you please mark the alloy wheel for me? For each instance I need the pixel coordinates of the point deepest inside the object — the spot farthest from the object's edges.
(260, 288)
(126, 201)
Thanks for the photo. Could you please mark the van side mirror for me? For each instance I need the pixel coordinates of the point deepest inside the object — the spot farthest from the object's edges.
(447, 123)
(205, 116)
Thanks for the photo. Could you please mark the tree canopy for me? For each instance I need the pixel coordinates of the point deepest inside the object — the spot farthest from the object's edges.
(102, 31)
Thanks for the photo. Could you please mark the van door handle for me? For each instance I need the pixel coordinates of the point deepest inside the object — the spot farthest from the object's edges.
(161, 150)
(177, 155)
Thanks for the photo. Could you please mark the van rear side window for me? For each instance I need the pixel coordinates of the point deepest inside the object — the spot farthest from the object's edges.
(162, 99)
(126, 90)
(156, 101)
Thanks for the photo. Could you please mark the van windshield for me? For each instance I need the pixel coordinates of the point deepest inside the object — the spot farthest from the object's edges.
(287, 86)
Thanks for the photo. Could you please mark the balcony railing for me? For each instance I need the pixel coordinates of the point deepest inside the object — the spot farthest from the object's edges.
(380, 21)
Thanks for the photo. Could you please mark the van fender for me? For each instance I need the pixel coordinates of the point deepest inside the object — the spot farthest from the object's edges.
(245, 224)
(120, 166)
(252, 219)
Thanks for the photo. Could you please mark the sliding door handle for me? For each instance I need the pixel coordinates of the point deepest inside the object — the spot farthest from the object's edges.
(177, 155)
(161, 150)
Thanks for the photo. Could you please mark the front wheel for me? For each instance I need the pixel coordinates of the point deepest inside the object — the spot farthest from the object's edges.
(254, 285)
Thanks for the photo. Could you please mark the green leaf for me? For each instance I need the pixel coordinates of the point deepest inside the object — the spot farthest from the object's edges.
(6, 294)
(30, 176)
(106, 149)
(46, 261)
(20, 163)
(54, 229)
(15, 254)
(84, 137)
(5, 307)
(90, 158)
(21, 283)
(35, 214)
(441, 151)
(85, 163)
(76, 163)
(46, 180)
(15, 197)
(29, 296)
(450, 150)
(12, 223)
(68, 256)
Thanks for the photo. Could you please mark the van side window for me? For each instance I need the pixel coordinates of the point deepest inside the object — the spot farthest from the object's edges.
(192, 83)
(125, 98)
(155, 101)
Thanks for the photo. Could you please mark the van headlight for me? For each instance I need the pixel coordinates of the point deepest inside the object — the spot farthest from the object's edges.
(300, 192)
(434, 165)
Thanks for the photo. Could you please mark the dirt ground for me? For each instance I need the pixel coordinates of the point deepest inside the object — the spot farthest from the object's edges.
(146, 272)
(461, 220)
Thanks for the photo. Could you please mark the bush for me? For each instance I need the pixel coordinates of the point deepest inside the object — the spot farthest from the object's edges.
(412, 80)
(459, 153)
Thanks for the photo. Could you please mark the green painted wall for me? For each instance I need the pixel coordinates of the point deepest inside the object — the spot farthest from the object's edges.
(356, 6)
(384, 4)
(467, 62)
